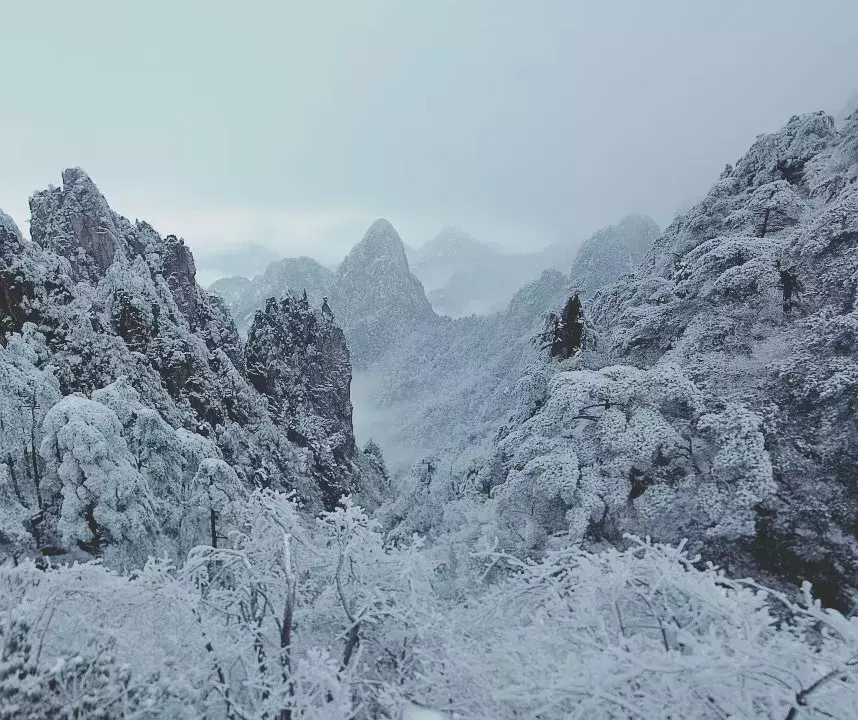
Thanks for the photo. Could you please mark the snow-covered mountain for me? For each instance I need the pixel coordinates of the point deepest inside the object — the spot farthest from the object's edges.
(451, 251)
(708, 395)
(612, 252)
(376, 298)
(468, 369)
(425, 379)
(463, 276)
(244, 297)
(715, 397)
(471, 368)
(139, 385)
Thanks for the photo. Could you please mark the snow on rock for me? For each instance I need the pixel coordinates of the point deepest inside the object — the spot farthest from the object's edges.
(375, 297)
(100, 300)
(297, 358)
(244, 297)
(737, 427)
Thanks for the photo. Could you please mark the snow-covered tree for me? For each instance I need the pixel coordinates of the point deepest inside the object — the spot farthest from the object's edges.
(103, 497)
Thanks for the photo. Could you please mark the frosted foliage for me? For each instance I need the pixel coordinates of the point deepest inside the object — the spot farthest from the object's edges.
(740, 469)
(184, 470)
(542, 483)
(633, 633)
(216, 492)
(27, 394)
(777, 366)
(625, 448)
(91, 467)
(13, 513)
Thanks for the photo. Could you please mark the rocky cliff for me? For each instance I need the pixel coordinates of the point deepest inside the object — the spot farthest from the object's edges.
(298, 360)
(244, 297)
(112, 311)
(376, 298)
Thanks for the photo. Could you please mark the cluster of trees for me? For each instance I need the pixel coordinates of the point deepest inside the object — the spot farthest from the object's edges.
(104, 474)
(295, 617)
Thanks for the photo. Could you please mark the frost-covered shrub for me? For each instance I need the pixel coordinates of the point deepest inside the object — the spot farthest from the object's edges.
(624, 449)
(325, 619)
(27, 395)
(103, 497)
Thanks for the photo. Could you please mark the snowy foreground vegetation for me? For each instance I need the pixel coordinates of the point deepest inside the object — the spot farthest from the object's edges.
(188, 528)
(327, 618)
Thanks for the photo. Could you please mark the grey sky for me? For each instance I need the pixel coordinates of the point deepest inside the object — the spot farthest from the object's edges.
(294, 124)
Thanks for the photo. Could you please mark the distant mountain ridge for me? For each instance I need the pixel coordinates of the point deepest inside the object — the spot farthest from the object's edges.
(464, 276)
(244, 297)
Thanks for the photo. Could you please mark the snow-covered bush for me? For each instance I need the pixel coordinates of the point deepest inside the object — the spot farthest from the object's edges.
(323, 620)
(104, 498)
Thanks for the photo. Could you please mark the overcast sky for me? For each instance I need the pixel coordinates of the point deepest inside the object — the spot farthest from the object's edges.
(295, 124)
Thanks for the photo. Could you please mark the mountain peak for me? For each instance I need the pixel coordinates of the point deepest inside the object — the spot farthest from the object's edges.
(78, 177)
(380, 240)
(375, 296)
(453, 234)
(76, 222)
(613, 251)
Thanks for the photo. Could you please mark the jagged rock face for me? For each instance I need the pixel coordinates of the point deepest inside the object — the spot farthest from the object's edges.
(244, 297)
(375, 297)
(76, 222)
(11, 242)
(612, 252)
(298, 359)
(11, 291)
(113, 300)
(707, 299)
(180, 273)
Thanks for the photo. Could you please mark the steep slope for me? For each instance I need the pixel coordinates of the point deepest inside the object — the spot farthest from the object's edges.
(108, 316)
(244, 297)
(719, 403)
(376, 298)
(298, 360)
(612, 252)
(448, 386)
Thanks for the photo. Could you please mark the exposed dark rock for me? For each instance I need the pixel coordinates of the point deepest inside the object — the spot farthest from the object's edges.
(298, 359)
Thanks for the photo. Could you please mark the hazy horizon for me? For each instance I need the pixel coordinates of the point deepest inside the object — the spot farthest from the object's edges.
(293, 127)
